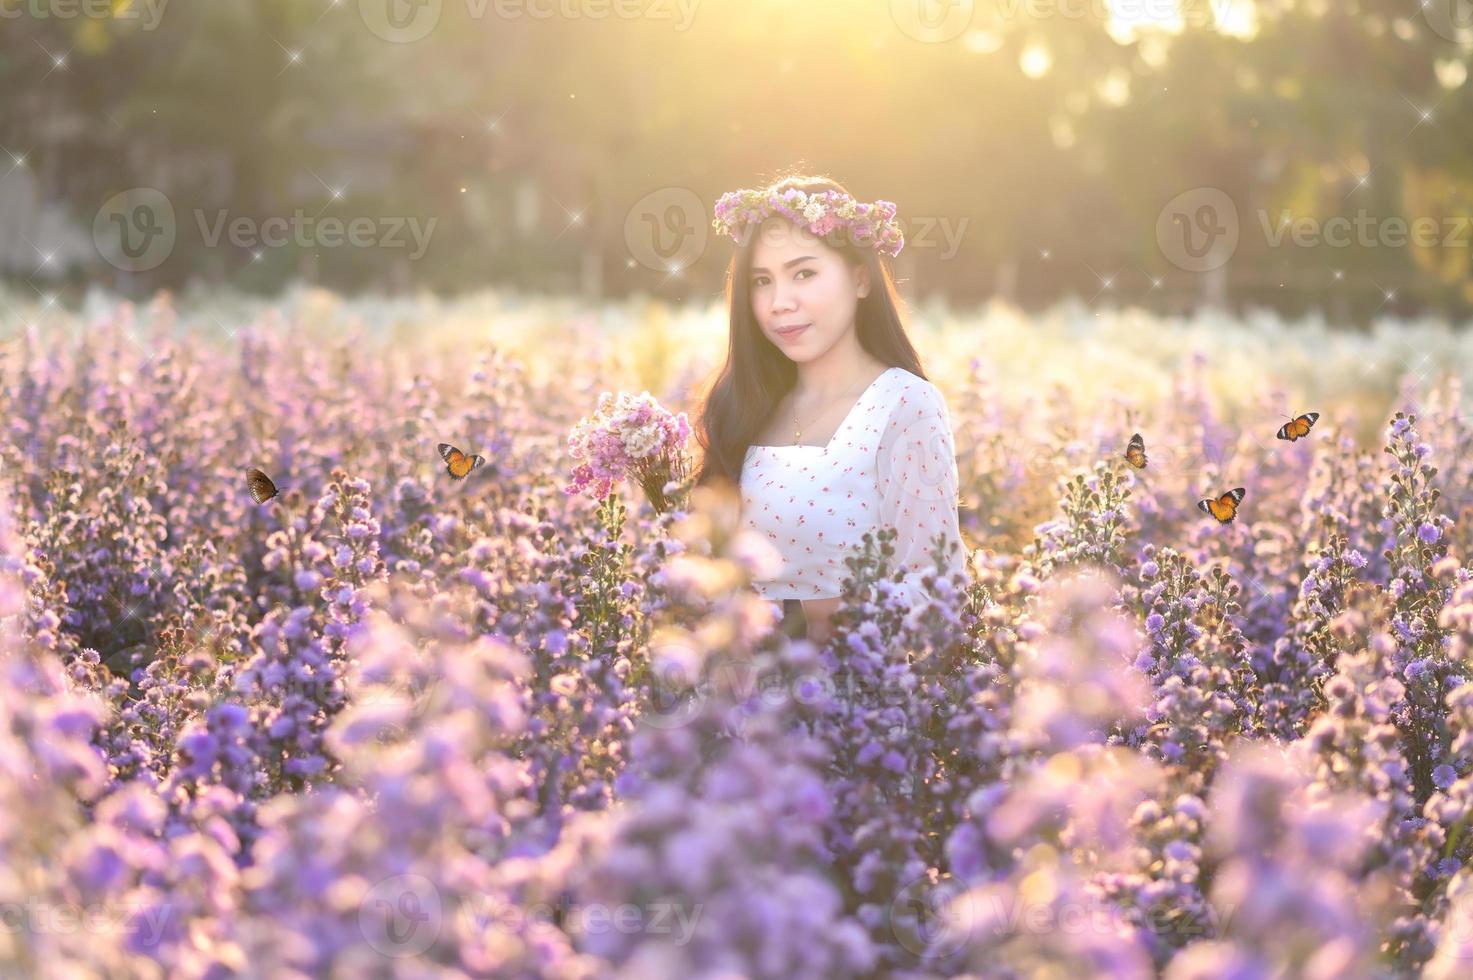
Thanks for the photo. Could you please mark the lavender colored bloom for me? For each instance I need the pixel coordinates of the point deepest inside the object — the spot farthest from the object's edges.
(279, 733)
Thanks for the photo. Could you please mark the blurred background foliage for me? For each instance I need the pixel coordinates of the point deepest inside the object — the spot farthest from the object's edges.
(1030, 152)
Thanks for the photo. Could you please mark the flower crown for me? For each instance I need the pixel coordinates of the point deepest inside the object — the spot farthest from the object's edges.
(873, 225)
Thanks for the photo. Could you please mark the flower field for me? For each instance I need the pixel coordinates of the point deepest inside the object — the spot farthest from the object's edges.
(391, 723)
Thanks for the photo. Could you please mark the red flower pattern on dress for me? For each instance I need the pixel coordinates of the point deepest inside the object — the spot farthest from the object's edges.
(891, 462)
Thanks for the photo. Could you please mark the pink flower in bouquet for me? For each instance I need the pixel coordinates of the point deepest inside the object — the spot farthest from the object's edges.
(629, 436)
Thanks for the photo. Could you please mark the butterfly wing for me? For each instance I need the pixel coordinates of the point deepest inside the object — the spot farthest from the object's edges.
(1135, 453)
(1299, 428)
(458, 463)
(1227, 504)
(1224, 508)
(260, 486)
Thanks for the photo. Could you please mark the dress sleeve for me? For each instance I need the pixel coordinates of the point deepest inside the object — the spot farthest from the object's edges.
(917, 479)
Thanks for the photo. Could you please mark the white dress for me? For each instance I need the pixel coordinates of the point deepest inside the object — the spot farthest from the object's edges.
(891, 462)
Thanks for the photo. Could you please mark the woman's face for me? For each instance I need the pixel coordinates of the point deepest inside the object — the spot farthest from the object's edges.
(798, 281)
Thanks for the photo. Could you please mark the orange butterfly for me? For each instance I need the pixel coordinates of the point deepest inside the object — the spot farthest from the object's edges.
(457, 463)
(260, 486)
(1135, 453)
(1224, 508)
(1299, 428)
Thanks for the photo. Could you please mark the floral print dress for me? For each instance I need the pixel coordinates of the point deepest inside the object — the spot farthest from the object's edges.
(891, 462)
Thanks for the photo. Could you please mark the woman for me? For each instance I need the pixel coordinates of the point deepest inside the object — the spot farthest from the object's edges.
(821, 414)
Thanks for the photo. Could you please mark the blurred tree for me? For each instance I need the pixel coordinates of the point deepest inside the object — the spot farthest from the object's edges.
(1031, 151)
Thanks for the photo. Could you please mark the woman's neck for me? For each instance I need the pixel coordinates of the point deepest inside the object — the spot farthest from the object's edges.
(835, 373)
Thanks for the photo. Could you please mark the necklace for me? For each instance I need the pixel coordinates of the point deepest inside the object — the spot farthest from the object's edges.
(797, 433)
(797, 430)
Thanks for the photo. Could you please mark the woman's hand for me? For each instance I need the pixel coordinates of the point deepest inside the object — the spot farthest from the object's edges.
(818, 612)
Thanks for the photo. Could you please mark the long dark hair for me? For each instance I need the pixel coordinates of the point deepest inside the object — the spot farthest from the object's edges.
(741, 396)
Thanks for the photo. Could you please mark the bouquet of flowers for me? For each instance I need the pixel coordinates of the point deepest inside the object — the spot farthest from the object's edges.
(630, 436)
